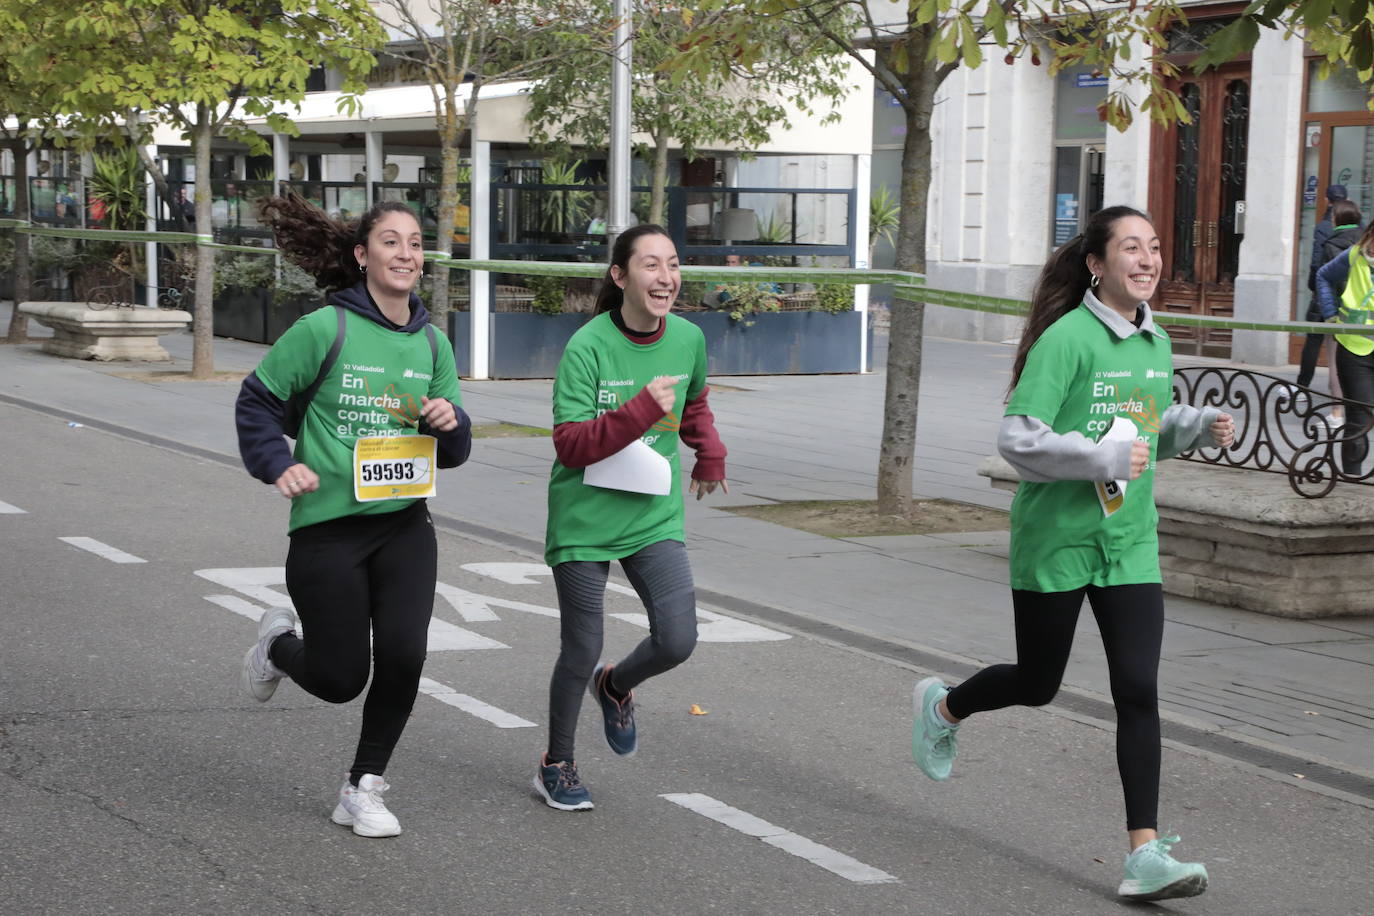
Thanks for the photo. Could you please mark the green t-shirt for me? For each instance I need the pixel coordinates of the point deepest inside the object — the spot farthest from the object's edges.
(373, 389)
(1077, 377)
(601, 370)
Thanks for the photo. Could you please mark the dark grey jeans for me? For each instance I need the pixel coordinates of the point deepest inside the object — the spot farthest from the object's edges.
(662, 577)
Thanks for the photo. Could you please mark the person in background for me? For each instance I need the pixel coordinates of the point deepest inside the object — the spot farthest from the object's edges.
(1336, 232)
(1345, 293)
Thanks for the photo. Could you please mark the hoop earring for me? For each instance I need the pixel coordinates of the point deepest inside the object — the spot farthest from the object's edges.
(362, 269)
(1092, 283)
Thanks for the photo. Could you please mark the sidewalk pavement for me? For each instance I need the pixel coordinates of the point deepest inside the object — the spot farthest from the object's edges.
(1248, 681)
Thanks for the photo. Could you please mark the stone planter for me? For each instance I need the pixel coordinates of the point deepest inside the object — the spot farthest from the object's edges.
(771, 343)
(1244, 539)
(81, 332)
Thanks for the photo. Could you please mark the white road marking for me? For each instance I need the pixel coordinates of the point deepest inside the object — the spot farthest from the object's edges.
(256, 582)
(253, 581)
(445, 637)
(714, 627)
(113, 554)
(510, 573)
(473, 706)
(717, 628)
(475, 607)
(237, 605)
(786, 840)
(7, 509)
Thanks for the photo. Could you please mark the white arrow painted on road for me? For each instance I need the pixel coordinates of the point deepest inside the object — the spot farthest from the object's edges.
(712, 627)
(7, 509)
(717, 628)
(524, 574)
(510, 573)
(256, 582)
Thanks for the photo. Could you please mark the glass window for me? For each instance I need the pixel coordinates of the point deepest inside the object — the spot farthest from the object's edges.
(1078, 92)
(1340, 91)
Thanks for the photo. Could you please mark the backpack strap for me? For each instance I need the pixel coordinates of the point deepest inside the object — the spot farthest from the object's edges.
(433, 347)
(297, 405)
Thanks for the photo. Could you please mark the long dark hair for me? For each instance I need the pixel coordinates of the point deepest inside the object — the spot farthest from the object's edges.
(316, 242)
(1065, 278)
(612, 296)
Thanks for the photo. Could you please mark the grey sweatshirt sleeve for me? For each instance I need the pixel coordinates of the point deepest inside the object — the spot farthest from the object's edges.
(1040, 454)
(1183, 428)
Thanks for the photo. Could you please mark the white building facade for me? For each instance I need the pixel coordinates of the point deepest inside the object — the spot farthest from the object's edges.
(1021, 159)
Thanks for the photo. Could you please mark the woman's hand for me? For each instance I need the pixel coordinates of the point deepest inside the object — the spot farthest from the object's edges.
(664, 391)
(1223, 430)
(702, 487)
(1140, 457)
(439, 414)
(296, 480)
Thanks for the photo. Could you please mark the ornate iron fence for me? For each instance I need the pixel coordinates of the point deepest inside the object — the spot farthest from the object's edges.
(1281, 427)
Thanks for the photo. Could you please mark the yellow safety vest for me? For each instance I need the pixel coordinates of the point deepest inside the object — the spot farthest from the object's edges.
(1356, 306)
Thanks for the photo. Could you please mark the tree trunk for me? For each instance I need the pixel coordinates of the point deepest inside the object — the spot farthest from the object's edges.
(896, 457)
(19, 324)
(659, 185)
(450, 130)
(203, 340)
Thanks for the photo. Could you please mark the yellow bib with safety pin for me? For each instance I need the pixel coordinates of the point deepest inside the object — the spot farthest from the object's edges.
(394, 467)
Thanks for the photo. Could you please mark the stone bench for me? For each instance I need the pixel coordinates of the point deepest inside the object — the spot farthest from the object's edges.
(1243, 538)
(108, 333)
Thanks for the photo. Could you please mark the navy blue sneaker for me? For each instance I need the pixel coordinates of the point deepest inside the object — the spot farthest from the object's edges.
(561, 786)
(618, 715)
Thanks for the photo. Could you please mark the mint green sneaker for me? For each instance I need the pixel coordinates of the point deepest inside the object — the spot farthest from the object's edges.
(1153, 874)
(932, 742)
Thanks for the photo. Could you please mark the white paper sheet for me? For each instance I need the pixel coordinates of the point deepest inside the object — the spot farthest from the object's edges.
(636, 468)
(1112, 493)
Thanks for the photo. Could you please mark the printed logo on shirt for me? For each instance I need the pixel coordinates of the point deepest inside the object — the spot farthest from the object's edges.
(411, 373)
(1155, 373)
(1108, 402)
(360, 368)
(669, 423)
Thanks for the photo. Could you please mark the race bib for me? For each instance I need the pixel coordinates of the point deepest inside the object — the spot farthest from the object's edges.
(394, 467)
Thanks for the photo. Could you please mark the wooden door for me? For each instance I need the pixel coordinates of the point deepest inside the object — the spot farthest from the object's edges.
(1197, 178)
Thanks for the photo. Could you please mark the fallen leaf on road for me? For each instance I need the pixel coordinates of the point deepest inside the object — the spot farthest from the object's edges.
(1310, 712)
(698, 711)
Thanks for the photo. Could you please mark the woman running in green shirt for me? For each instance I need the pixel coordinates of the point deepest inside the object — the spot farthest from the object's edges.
(631, 384)
(1087, 420)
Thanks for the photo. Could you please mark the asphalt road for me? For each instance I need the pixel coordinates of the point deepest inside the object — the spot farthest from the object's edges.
(137, 779)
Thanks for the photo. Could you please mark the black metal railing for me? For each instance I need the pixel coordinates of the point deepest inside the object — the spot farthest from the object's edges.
(1281, 427)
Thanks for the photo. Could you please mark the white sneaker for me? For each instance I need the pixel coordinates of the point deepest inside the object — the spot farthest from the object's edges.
(260, 677)
(362, 808)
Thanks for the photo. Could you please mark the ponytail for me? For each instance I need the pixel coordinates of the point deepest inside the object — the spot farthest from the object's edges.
(1065, 279)
(317, 243)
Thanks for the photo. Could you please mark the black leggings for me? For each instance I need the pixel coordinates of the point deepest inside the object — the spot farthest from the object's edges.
(1356, 374)
(363, 587)
(1131, 618)
(662, 577)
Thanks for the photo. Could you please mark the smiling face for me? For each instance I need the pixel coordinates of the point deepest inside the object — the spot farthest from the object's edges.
(650, 280)
(393, 256)
(1130, 268)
